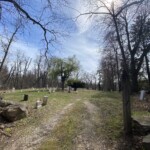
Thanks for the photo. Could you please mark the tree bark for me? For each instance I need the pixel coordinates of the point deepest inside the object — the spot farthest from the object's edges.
(134, 76)
(62, 83)
(126, 104)
(147, 68)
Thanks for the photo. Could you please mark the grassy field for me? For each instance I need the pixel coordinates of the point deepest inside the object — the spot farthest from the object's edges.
(106, 121)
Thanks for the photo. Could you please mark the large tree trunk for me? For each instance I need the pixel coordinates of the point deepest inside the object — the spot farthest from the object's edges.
(134, 77)
(134, 80)
(147, 68)
(126, 104)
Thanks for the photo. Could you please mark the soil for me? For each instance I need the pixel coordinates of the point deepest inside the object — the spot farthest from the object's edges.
(87, 139)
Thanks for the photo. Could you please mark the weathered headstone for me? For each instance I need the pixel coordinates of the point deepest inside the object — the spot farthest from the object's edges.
(38, 104)
(25, 97)
(69, 89)
(54, 90)
(50, 90)
(13, 89)
(45, 99)
(142, 94)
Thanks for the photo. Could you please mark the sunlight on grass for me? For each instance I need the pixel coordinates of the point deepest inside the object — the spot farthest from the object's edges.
(63, 135)
(110, 110)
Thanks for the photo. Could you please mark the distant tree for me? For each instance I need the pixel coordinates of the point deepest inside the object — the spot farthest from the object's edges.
(5, 44)
(63, 68)
(75, 83)
(108, 71)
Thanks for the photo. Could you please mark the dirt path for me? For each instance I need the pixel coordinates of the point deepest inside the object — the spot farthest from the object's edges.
(87, 139)
(32, 141)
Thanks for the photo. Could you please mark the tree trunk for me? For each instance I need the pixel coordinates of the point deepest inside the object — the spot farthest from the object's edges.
(62, 83)
(147, 68)
(126, 104)
(135, 87)
(134, 77)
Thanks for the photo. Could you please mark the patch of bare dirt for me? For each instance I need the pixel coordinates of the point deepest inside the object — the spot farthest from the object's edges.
(34, 139)
(87, 139)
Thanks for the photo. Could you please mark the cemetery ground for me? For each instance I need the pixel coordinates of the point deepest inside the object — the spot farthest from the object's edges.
(86, 120)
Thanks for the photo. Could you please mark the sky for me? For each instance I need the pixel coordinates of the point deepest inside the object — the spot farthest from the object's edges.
(80, 39)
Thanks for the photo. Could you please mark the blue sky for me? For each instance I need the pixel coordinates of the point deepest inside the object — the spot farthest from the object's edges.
(81, 40)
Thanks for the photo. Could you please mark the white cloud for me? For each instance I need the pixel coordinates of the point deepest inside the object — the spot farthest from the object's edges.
(86, 51)
(28, 49)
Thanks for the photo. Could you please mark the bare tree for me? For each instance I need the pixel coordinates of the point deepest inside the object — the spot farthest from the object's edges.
(6, 44)
(42, 16)
(113, 12)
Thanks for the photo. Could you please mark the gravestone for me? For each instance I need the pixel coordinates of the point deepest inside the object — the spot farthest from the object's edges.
(54, 90)
(38, 104)
(25, 97)
(50, 90)
(13, 89)
(69, 89)
(45, 99)
(142, 94)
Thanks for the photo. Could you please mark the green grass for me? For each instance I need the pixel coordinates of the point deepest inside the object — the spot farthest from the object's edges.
(108, 122)
(110, 111)
(62, 137)
(56, 101)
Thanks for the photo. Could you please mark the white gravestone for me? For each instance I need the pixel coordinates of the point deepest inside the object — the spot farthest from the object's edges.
(13, 89)
(38, 104)
(142, 94)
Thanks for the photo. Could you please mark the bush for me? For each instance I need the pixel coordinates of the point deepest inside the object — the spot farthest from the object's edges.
(75, 83)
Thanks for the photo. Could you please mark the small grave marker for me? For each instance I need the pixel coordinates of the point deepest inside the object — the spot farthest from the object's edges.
(38, 104)
(45, 99)
(142, 94)
(25, 97)
(13, 89)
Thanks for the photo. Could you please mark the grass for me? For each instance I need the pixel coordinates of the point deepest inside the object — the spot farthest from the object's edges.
(62, 137)
(56, 101)
(108, 121)
(110, 111)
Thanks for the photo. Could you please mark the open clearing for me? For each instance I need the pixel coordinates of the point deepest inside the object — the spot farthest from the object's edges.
(87, 120)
